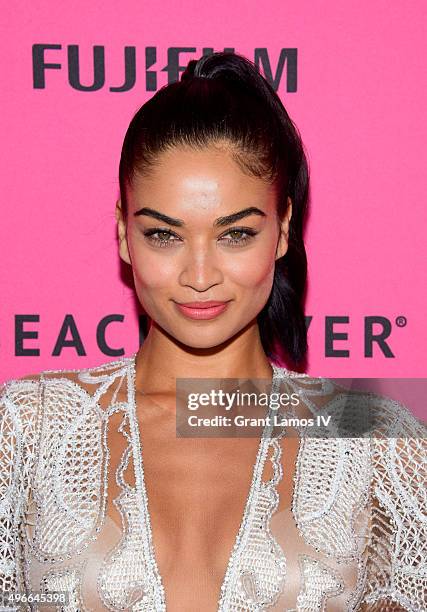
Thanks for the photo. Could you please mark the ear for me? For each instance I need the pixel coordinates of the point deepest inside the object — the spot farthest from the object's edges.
(121, 230)
(282, 243)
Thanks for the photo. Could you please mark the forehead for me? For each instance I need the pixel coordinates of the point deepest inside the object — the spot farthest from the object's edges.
(207, 180)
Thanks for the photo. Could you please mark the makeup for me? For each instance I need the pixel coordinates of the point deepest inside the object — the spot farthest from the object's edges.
(202, 310)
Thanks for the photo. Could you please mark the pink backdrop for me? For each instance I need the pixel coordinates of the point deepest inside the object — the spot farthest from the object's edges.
(360, 106)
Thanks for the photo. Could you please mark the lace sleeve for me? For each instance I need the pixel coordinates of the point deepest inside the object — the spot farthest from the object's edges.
(19, 423)
(397, 551)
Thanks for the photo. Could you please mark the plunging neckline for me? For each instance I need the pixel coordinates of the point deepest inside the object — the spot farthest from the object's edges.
(243, 530)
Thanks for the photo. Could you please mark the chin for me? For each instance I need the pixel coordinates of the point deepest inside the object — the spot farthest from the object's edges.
(205, 336)
(201, 340)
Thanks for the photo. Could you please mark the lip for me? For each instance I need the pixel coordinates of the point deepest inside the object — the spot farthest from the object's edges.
(202, 310)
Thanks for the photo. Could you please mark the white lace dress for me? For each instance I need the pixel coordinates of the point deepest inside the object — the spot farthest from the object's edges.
(354, 538)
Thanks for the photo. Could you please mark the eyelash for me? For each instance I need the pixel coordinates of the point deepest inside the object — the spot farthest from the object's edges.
(149, 234)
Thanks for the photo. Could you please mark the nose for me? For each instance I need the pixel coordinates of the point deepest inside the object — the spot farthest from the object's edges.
(200, 269)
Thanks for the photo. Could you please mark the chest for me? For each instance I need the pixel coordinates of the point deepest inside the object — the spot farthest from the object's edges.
(142, 513)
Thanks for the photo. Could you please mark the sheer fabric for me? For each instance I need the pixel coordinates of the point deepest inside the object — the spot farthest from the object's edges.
(74, 510)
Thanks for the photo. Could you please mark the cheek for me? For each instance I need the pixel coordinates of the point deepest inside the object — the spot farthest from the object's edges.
(153, 281)
(254, 269)
(151, 271)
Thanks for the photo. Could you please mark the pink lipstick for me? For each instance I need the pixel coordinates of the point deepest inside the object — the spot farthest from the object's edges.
(202, 310)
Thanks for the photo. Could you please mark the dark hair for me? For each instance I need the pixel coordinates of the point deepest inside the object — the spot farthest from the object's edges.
(220, 97)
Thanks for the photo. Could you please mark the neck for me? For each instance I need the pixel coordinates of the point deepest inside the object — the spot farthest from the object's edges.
(161, 360)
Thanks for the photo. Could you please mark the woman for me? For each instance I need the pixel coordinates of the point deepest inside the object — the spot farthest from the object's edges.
(103, 502)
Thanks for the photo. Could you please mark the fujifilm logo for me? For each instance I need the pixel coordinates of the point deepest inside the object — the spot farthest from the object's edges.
(51, 59)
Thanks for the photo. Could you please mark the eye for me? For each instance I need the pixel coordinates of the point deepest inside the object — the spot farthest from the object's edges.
(161, 237)
(164, 238)
(238, 236)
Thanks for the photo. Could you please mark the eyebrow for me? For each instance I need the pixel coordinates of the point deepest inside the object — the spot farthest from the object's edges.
(220, 222)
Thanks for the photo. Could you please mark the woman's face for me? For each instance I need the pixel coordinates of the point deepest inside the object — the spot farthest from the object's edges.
(185, 247)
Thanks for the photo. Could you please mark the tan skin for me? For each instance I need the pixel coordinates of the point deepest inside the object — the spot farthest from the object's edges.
(197, 487)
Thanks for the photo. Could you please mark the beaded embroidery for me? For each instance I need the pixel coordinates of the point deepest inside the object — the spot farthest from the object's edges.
(54, 475)
(319, 583)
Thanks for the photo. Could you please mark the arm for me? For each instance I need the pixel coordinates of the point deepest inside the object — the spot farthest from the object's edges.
(397, 552)
(20, 416)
